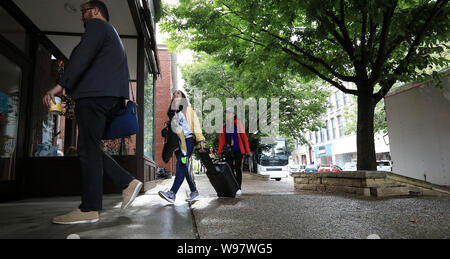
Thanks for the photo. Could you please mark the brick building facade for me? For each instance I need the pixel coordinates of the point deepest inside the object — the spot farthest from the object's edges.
(164, 86)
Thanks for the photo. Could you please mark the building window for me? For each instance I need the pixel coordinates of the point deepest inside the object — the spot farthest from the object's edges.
(341, 125)
(53, 134)
(345, 99)
(333, 125)
(317, 137)
(328, 130)
(333, 106)
(310, 136)
(322, 134)
(338, 99)
(148, 119)
(329, 104)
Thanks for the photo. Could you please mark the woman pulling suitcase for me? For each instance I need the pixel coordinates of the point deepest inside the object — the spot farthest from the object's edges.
(184, 122)
(234, 139)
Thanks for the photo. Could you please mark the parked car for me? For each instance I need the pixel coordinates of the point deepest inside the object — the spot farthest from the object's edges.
(302, 168)
(384, 165)
(350, 166)
(329, 168)
(311, 168)
(294, 168)
(297, 168)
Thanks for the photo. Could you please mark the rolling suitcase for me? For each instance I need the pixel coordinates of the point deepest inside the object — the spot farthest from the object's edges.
(220, 175)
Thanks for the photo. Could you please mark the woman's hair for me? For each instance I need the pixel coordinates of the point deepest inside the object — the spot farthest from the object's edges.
(183, 105)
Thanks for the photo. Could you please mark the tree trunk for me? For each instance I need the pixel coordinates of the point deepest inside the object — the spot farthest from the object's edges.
(365, 140)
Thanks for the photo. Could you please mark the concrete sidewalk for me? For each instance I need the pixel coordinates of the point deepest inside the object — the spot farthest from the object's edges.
(275, 210)
(148, 217)
(267, 209)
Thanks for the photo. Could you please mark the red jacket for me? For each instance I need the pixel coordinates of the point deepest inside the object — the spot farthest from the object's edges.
(243, 140)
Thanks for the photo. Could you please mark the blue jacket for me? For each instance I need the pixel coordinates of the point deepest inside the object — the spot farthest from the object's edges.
(98, 65)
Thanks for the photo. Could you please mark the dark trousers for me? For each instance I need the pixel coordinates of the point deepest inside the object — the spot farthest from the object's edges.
(235, 162)
(184, 170)
(92, 115)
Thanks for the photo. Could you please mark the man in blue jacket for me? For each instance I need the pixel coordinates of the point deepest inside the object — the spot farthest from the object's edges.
(97, 78)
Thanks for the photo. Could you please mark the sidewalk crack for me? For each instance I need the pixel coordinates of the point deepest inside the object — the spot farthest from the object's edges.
(194, 222)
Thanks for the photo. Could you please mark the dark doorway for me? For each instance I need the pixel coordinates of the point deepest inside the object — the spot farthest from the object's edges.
(13, 77)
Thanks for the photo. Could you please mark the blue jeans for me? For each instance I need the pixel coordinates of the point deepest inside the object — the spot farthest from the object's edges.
(184, 170)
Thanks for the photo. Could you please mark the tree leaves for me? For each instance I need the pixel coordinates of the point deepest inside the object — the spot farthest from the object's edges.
(300, 103)
(320, 37)
(373, 44)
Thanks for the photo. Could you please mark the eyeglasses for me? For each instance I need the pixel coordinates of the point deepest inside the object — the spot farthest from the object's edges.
(83, 11)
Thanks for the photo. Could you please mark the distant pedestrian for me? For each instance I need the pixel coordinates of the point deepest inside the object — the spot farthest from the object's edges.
(212, 153)
(235, 142)
(97, 78)
(250, 162)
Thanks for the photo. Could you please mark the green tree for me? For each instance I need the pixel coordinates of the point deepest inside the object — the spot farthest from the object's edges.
(379, 122)
(368, 43)
(300, 103)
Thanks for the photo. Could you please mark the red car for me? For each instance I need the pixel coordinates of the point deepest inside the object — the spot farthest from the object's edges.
(329, 168)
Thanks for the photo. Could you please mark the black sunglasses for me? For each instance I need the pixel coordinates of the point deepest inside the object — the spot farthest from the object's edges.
(83, 11)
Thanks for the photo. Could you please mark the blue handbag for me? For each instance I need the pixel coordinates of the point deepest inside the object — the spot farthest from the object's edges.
(124, 124)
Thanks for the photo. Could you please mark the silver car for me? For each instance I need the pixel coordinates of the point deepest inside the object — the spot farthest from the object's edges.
(384, 165)
(350, 166)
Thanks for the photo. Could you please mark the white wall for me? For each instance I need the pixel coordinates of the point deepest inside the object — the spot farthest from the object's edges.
(419, 131)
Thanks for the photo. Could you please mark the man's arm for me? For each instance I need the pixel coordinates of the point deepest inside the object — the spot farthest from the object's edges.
(82, 57)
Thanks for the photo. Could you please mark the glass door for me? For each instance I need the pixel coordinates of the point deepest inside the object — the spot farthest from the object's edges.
(15, 61)
(10, 85)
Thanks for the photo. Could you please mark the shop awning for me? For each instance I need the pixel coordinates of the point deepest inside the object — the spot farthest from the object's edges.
(60, 21)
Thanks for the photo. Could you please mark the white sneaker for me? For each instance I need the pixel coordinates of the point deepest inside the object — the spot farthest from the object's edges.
(239, 193)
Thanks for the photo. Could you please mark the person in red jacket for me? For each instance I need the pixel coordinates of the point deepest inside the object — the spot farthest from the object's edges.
(234, 139)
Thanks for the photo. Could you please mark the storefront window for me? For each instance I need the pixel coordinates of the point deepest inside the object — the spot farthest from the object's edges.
(48, 127)
(11, 30)
(120, 147)
(10, 81)
(123, 146)
(148, 119)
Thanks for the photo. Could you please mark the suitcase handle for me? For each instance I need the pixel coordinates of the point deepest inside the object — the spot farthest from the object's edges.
(222, 157)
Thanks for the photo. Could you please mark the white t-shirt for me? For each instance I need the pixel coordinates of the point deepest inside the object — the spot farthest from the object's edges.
(183, 123)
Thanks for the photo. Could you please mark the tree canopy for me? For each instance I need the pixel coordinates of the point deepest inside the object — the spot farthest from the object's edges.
(368, 43)
(300, 103)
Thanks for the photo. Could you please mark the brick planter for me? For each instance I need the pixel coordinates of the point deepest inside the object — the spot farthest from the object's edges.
(364, 183)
